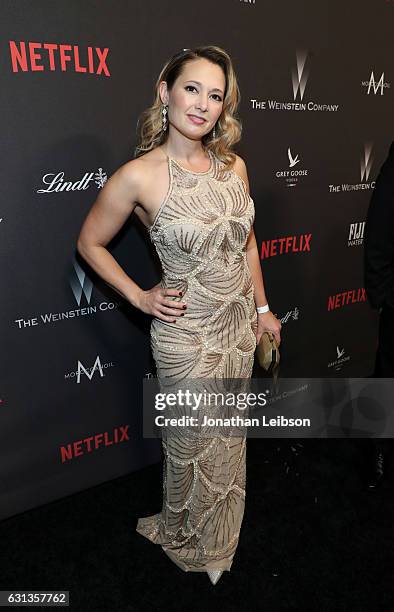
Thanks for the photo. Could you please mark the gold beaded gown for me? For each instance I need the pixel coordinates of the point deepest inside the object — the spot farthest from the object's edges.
(200, 234)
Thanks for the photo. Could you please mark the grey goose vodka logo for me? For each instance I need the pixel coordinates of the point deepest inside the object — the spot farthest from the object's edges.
(366, 162)
(293, 173)
(55, 183)
(299, 73)
(341, 358)
(293, 161)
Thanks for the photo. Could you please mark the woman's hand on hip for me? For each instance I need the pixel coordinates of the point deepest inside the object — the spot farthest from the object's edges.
(157, 302)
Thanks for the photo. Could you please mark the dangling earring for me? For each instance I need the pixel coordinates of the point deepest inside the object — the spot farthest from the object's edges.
(214, 132)
(164, 114)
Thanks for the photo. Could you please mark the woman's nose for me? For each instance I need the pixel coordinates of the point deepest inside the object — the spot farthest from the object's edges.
(202, 103)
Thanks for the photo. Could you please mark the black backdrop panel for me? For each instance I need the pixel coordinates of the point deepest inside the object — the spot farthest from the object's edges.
(316, 86)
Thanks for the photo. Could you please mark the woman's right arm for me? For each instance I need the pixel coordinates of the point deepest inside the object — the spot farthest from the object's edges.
(114, 204)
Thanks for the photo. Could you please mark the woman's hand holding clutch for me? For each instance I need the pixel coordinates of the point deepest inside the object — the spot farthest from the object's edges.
(267, 321)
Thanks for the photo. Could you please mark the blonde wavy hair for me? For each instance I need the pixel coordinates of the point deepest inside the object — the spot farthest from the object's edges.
(228, 127)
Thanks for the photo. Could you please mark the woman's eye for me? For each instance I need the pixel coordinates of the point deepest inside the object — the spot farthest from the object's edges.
(218, 98)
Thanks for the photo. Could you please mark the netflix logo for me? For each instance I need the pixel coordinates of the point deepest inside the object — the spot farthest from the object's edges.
(286, 245)
(93, 443)
(37, 56)
(346, 297)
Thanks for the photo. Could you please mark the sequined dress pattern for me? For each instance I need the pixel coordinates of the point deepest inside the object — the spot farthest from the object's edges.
(200, 234)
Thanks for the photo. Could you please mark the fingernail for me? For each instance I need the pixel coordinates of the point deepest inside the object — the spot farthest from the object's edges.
(182, 314)
(180, 293)
(183, 307)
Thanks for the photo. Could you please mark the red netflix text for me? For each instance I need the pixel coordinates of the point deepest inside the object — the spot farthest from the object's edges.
(93, 443)
(346, 297)
(36, 56)
(287, 244)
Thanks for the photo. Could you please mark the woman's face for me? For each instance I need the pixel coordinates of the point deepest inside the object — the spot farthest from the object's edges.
(198, 92)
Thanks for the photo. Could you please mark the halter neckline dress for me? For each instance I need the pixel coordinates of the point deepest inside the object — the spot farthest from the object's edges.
(200, 234)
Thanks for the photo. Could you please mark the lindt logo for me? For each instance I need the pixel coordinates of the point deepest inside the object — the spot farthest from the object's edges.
(56, 183)
(37, 56)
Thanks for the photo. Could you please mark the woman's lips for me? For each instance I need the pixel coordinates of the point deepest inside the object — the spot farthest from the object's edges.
(196, 120)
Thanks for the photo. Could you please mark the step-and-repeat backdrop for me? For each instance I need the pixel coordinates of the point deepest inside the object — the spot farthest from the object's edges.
(316, 83)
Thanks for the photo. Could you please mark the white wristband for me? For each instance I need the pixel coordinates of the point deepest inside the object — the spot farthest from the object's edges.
(262, 309)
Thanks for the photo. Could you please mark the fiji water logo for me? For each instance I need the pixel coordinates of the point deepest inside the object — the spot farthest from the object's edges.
(356, 234)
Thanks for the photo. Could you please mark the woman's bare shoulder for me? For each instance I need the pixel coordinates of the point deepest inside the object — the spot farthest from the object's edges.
(140, 169)
(241, 170)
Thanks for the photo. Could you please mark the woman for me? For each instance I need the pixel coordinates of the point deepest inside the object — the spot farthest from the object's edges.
(191, 191)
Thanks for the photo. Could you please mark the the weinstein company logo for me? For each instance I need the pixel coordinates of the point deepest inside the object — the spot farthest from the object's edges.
(299, 79)
(366, 161)
(356, 234)
(300, 74)
(56, 183)
(51, 57)
(89, 371)
(341, 359)
(80, 283)
(376, 86)
(286, 245)
(292, 174)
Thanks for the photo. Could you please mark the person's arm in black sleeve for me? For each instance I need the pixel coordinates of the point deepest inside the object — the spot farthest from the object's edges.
(379, 238)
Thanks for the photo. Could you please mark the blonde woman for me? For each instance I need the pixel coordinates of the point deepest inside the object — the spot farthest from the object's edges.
(191, 191)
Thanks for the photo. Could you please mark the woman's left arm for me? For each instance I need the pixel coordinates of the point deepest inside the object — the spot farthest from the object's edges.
(266, 321)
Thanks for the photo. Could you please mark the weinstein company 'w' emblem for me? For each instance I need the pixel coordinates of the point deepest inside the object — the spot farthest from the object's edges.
(299, 75)
(80, 283)
(366, 162)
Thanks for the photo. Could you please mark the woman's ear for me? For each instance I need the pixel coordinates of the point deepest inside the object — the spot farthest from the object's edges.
(163, 92)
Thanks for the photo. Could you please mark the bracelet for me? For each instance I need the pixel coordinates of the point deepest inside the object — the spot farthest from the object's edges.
(262, 309)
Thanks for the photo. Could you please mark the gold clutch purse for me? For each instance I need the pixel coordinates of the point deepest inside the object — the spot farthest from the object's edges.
(267, 352)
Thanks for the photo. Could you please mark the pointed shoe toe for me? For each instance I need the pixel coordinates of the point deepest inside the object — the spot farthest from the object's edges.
(214, 575)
